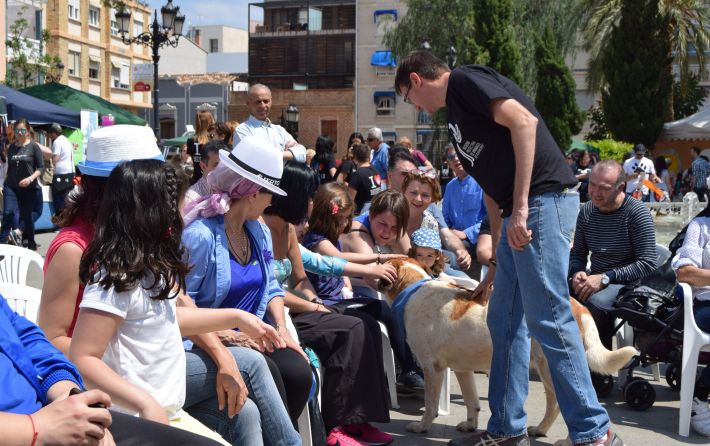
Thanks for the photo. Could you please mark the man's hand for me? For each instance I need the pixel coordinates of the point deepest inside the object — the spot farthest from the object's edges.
(578, 280)
(518, 233)
(231, 389)
(463, 259)
(590, 286)
(108, 439)
(72, 421)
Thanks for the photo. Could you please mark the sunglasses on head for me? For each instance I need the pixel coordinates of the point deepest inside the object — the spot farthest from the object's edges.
(431, 173)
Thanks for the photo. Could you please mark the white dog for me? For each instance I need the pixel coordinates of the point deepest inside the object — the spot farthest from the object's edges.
(446, 327)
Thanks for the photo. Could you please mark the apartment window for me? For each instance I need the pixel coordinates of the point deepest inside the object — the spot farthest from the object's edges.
(124, 76)
(94, 14)
(115, 76)
(74, 63)
(114, 23)
(214, 45)
(137, 27)
(94, 69)
(385, 106)
(74, 10)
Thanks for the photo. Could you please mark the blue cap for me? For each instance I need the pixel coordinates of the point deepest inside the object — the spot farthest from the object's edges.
(426, 238)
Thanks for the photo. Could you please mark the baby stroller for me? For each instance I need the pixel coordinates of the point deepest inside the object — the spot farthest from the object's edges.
(655, 315)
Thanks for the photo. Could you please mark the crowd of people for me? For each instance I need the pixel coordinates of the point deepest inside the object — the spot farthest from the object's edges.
(169, 289)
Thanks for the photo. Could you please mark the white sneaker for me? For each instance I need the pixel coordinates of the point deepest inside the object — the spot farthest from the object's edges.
(700, 417)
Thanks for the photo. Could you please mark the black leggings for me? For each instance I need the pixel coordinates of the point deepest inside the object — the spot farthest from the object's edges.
(134, 431)
(293, 377)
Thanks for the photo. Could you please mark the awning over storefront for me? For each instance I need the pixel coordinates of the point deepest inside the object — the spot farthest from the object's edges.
(389, 12)
(383, 59)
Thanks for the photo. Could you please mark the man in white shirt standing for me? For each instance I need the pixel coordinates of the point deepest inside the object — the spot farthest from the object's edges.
(635, 168)
(259, 124)
(62, 160)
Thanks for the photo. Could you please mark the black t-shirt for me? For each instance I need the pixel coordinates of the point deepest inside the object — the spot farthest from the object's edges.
(366, 182)
(324, 164)
(485, 147)
(22, 162)
(347, 168)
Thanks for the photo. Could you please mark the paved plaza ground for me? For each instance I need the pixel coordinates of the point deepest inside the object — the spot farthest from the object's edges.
(657, 426)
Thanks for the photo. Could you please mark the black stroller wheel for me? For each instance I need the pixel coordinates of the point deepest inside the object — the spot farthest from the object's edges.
(673, 376)
(603, 384)
(639, 393)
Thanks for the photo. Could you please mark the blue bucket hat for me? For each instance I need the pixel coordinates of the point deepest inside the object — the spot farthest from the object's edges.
(426, 238)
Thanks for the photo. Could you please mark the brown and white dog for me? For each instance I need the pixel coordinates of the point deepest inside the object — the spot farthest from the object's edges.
(446, 327)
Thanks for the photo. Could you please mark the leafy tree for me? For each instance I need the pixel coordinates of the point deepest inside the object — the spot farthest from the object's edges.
(493, 31)
(26, 61)
(687, 27)
(610, 149)
(555, 95)
(635, 67)
(530, 17)
(686, 103)
(598, 129)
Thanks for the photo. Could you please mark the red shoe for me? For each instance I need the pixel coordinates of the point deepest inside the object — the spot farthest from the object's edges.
(369, 434)
(338, 437)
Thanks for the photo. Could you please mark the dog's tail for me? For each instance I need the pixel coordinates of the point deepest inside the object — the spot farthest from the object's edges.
(599, 358)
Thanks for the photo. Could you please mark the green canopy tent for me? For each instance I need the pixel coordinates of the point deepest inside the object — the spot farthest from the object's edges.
(78, 100)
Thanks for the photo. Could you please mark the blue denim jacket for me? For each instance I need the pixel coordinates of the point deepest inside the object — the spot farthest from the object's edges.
(29, 364)
(210, 278)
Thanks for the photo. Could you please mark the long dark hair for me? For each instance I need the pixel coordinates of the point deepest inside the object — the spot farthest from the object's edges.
(138, 230)
(299, 182)
(83, 202)
(324, 147)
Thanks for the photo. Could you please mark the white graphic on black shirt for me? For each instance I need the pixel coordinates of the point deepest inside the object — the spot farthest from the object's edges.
(470, 149)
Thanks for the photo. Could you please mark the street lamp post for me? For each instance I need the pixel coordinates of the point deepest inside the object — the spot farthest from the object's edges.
(56, 74)
(160, 35)
(289, 120)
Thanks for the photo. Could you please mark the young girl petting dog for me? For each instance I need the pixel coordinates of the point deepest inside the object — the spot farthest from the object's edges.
(127, 340)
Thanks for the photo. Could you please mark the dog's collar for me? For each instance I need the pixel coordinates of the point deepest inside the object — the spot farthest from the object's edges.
(400, 302)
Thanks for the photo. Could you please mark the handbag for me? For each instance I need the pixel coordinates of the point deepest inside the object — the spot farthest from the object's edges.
(63, 182)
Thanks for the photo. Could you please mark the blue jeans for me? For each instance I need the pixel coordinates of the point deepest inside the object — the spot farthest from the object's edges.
(600, 305)
(530, 298)
(22, 198)
(262, 421)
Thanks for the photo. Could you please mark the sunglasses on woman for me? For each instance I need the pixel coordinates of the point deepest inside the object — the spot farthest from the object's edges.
(20, 131)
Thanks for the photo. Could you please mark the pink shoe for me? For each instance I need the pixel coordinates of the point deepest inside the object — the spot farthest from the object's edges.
(338, 437)
(369, 434)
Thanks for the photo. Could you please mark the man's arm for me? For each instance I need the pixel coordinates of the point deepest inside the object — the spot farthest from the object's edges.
(495, 220)
(523, 127)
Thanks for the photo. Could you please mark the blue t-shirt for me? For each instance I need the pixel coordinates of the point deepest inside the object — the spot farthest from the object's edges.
(245, 290)
(328, 288)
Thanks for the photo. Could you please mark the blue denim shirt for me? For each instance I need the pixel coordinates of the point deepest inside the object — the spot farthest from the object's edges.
(463, 207)
(209, 280)
(380, 160)
(29, 364)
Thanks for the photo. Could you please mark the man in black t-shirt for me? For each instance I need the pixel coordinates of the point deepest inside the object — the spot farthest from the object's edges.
(365, 182)
(504, 145)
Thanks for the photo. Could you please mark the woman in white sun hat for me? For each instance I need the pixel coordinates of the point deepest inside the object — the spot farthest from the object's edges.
(212, 373)
(230, 252)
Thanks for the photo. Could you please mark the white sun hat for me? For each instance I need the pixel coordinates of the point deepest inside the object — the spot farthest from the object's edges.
(257, 160)
(110, 146)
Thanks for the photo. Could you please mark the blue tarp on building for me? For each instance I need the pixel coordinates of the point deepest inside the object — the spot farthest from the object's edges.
(383, 59)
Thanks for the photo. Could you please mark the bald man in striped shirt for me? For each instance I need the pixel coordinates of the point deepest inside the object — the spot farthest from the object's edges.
(618, 232)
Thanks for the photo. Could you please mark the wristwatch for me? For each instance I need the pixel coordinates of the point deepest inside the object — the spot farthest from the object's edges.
(605, 280)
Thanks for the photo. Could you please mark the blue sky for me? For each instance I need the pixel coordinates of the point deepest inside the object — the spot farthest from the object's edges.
(211, 12)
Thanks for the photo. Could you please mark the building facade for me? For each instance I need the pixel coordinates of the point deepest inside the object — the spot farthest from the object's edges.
(84, 35)
(226, 47)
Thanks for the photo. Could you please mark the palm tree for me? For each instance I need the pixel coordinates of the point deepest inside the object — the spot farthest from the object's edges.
(687, 23)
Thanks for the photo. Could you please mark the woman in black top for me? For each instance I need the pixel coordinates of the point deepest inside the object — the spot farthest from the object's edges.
(25, 165)
(324, 161)
(347, 167)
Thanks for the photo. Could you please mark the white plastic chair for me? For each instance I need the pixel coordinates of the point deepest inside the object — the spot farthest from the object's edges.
(23, 299)
(694, 341)
(14, 263)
